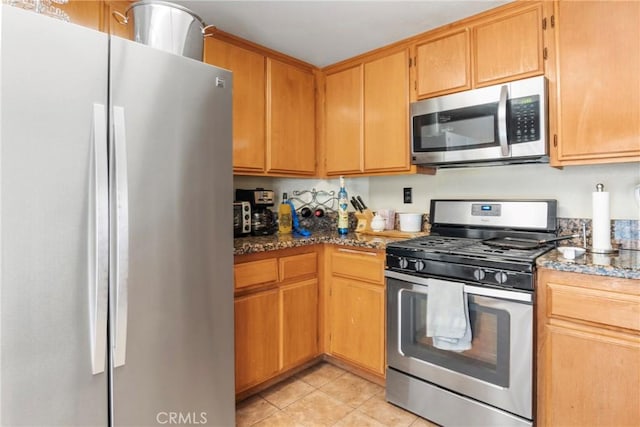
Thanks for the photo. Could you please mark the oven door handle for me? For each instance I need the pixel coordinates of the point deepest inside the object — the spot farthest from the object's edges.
(469, 289)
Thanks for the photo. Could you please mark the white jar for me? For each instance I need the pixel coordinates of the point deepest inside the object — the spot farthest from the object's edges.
(410, 222)
(378, 223)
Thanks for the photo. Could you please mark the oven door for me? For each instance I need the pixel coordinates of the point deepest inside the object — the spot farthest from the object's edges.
(497, 370)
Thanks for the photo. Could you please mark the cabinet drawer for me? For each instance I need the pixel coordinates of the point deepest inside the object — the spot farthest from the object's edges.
(298, 266)
(255, 273)
(594, 305)
(361, 265)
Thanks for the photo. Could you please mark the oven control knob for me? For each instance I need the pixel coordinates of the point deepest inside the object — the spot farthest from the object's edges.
(419, 265)
(478, 274)
(403, 263)
(501, 277)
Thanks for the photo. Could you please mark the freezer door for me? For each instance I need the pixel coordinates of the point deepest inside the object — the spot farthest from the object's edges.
(171, 278)
(53, 223)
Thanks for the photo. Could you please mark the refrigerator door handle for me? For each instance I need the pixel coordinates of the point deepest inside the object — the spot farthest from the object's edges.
(99, 235)
(121, 236)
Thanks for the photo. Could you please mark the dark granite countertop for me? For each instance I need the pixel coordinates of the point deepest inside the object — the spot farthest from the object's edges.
(624, 264)
(253, 244)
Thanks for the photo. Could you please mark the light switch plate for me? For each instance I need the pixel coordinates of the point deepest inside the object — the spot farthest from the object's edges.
(406, 195)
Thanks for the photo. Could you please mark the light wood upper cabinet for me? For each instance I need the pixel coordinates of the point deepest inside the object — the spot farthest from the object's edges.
(500, 45)
(588, 350)
(86, 13)
(443, 64)
(98, 15)
(508, 47)
(343, 121)
(112, 25)
(366, 116)
(386, 113)
(290, 119)
(248, 101)
(595, 84)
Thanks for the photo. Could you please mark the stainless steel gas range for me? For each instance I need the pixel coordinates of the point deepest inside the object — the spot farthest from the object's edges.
(486, 249)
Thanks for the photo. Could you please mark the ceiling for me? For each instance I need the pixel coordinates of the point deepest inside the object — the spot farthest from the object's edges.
(323, 32)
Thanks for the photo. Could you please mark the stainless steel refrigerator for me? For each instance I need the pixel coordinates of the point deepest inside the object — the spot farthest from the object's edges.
(116, 289)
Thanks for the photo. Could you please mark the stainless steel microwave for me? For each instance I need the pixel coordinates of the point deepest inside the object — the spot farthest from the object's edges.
(500, 124)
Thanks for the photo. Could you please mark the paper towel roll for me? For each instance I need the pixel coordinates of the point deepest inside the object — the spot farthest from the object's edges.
(601, 220)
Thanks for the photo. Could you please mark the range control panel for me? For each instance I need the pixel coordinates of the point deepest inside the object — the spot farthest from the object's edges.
(462, 272)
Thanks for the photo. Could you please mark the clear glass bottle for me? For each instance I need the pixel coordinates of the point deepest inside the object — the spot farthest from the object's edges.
(284, 216)
(343, 203)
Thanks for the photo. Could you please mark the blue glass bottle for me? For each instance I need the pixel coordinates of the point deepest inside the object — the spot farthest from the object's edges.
(343, 202)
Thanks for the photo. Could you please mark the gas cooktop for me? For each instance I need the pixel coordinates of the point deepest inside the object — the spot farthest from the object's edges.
(464, 244)
(474, 248)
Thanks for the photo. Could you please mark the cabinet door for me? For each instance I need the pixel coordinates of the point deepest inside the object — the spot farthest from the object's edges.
(598, 58)
(357, 323)
(343, 115)
(256, 338)
(112, 25)
(299, 302)
(592, 379)
(443, 64)
(290, 119)
(508, 47)
(85, 13)
(386, 113)
(248, 101)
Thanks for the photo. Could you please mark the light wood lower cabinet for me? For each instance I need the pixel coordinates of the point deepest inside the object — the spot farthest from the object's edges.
(276, 314)
(356, 308)
(256, 333)
(299, 322)
(588, 350)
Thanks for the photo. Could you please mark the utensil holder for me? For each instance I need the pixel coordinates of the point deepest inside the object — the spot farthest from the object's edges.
(364, 221)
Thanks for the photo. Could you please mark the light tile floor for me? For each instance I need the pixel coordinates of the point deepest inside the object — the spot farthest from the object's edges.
(324, 395)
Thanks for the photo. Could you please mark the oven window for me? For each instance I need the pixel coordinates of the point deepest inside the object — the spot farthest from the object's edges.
(488, 358)
(454, 130)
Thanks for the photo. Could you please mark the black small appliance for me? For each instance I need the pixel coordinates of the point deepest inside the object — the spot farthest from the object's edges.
(263, 221)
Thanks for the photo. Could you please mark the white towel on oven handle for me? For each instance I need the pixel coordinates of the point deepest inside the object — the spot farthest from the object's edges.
(448, 315)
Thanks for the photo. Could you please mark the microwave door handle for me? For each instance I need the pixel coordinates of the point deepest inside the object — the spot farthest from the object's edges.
(502, 121)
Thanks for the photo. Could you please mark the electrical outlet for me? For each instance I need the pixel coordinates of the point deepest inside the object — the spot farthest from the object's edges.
(406, 195)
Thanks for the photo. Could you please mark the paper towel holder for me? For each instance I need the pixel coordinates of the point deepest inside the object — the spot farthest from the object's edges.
(591, 249)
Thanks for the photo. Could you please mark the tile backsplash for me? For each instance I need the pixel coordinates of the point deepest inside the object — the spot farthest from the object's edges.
(624, 232)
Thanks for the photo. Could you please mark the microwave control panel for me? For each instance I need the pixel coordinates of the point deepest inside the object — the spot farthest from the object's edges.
(524, 119)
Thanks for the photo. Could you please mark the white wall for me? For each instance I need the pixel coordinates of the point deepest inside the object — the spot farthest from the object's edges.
(571, 186)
